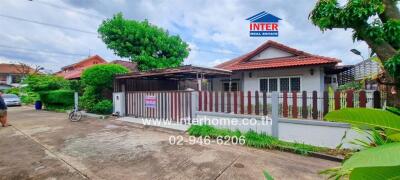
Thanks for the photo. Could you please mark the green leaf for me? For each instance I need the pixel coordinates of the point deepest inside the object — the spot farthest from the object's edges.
(374, 173)
(366, 117)
(267, 176)
(394, 137)
(385, 155)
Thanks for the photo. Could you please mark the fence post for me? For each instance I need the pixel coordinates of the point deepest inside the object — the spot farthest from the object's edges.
(216, 101)
(205, 100)
(200, 99)
(265, 105)
(235, 102)
(349, 99)
(377, 99)
(294, 103)
(285, 104)
(326, 102)
(257, 105)
(241, 102)
(222, 101)
(192, 104)
(337, 100)
(211, 101)
(228, 102)
(314, 105)
(304, 112)
(249, 102)
(275, 116)
(363, 99)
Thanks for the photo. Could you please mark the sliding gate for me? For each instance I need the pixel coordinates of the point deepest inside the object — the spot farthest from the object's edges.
(171, 105)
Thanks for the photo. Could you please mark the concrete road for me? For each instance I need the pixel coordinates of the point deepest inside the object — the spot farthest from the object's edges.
(45, 145)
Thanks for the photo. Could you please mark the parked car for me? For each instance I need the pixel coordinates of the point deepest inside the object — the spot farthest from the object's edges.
(11, 100)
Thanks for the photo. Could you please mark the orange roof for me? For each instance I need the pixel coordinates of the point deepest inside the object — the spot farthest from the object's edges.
(299, 58)
(14, 69)
(75, 70)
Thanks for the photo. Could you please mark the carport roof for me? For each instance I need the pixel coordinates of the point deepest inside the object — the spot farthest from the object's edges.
(182, 72)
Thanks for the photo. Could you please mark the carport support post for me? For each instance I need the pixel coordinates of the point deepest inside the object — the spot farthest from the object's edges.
(275, 115)
(76, 100)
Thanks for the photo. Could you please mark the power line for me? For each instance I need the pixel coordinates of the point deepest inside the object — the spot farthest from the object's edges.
(47, 24)
(38, 50)
(8, 51)
(68, 9)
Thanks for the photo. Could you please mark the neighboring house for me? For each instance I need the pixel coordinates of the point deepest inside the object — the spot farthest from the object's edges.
(74, 71)
(11, 75)
(277, 67)
(130, 65)
(366, 71)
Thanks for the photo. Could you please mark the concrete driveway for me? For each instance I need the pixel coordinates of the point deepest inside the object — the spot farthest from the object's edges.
(45, 145)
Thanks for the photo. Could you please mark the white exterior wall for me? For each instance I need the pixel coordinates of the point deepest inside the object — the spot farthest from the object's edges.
(308, 82)
(317, 133)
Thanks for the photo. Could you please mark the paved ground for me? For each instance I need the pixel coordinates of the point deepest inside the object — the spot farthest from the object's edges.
(45, 145)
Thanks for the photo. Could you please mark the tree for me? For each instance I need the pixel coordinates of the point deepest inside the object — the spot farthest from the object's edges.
(98, 81)
(377, 22)
(25, 69)
(148, 45)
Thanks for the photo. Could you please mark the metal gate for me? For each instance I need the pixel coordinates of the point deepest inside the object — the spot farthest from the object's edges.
(171, 105)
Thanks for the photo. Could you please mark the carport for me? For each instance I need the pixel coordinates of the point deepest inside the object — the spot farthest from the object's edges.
(186, 77)
(163, 93)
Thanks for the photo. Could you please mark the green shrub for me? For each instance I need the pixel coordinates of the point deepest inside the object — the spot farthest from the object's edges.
(102, 107)
(101, 76)
(13, 90)
(41, 82)
(29, 97)
(57, 99)
(254, 139)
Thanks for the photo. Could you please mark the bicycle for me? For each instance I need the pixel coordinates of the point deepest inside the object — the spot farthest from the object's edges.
(75, 115)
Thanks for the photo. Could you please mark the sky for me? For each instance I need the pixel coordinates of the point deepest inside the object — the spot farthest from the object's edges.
(65, 31)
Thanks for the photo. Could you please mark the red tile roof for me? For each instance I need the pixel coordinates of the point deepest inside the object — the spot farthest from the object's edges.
(299, 58)
(15, 69)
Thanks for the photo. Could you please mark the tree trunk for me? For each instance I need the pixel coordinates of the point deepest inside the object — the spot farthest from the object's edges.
(391, 11)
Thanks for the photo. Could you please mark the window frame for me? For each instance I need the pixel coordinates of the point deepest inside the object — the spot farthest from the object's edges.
(279, 82)
(223, 86)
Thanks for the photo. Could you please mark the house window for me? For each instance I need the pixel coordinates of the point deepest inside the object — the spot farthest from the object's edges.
(264, 85)
(234, 86)
(284, 84)
(3, 77)
(288, 84)
(273, 85)
(295, 84)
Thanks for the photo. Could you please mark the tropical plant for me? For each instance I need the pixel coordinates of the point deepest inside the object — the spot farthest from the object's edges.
(148, 45)
(351, 86)
(380, 159)
(43, 82)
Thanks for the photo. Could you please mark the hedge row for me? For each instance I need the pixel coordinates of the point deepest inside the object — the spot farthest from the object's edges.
(57, 98)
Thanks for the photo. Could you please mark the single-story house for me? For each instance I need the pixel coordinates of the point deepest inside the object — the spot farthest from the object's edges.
(11, 74)
(277, 67)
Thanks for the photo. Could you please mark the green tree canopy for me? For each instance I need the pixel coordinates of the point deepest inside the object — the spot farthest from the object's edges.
(148, 45)
(377, 22)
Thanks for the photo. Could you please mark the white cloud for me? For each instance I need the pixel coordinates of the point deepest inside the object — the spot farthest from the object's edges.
(216, 26)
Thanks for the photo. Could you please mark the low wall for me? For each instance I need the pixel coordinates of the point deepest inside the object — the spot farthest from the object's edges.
(317, 133)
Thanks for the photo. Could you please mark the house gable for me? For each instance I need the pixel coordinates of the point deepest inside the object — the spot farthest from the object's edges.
(271, 53)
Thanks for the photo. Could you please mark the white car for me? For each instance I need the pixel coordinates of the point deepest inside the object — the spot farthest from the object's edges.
(11, 100)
